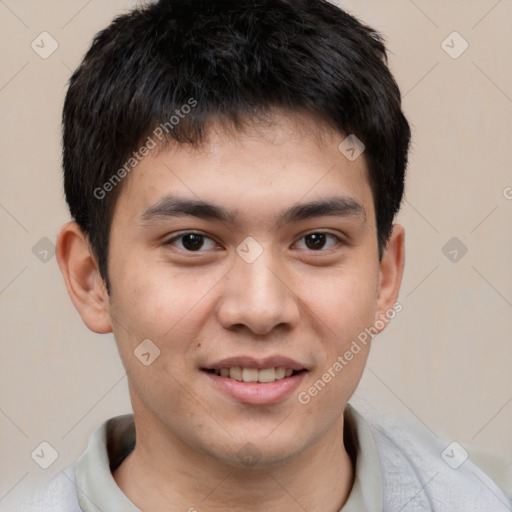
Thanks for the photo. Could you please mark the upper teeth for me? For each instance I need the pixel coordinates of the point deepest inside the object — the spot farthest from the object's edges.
(255, 375)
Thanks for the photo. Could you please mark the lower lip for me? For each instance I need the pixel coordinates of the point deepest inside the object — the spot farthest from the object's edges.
(256, 393)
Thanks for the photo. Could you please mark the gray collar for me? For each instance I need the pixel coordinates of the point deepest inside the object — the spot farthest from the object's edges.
(114, 439)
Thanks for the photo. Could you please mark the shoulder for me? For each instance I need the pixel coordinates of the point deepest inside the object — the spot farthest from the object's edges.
(56, 495)
(421, 471)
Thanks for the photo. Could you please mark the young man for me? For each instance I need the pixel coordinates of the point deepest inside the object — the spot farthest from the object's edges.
(233, 170)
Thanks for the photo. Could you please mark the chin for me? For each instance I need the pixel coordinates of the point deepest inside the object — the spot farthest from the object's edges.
(259, 452)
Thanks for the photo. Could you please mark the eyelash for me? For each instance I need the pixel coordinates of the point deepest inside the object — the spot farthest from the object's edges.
(181, 235)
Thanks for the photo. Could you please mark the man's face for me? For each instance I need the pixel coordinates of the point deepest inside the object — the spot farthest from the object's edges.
(274, 284)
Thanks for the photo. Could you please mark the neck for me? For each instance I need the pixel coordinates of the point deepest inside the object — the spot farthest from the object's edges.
(160, 475)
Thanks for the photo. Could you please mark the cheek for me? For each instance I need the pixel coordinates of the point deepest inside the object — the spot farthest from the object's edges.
(343, 304)
(167, 311)
(344, 301)
(168, 307)
(147, 295)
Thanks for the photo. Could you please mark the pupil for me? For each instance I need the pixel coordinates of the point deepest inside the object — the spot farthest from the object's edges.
(192, 241)
(317, 240)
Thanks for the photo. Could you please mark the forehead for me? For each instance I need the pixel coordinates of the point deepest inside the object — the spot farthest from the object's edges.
(270, 162)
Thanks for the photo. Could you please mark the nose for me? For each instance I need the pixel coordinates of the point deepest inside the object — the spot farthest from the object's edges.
(258, 296)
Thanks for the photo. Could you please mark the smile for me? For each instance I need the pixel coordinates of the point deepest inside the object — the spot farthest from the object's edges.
(256, 381)
(254, 374)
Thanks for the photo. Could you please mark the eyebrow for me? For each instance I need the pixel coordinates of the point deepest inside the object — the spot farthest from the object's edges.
(339, 206)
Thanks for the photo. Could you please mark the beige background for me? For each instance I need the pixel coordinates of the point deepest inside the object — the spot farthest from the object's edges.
(445, 359)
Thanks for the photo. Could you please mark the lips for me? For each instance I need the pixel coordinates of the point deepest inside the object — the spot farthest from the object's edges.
(256, 381)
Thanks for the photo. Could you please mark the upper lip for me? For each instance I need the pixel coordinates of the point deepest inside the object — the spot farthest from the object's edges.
(252, 362)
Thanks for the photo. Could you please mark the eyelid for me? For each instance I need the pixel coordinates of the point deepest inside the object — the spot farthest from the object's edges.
(338, 239)
(177, 236)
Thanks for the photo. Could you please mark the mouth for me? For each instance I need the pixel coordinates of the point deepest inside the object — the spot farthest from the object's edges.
(256, 381)
(265, 375)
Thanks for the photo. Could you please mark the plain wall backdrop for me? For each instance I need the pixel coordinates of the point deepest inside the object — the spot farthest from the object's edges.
(446, 357)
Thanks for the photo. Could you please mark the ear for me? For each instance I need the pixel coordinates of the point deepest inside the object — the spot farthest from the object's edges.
(83, 281)
(390, 277)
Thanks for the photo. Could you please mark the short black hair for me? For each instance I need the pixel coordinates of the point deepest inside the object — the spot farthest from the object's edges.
(171, 67)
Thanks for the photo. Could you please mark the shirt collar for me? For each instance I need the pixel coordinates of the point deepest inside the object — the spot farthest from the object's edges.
(114, 439)
(95, 484)
(366, 494)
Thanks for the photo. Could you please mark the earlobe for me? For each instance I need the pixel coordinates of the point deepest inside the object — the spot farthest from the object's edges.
(83, 281)
(390, 276)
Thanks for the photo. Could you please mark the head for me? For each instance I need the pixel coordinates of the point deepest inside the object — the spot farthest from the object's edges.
(225, 119)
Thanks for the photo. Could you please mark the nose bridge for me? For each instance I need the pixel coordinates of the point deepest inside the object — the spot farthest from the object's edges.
(256, 295)
(262, 285)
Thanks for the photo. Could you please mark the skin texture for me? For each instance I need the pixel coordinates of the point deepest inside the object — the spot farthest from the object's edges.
(202, 306)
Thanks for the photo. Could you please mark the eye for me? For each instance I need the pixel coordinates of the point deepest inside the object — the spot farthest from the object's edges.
(192, 242)
(317, 241)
